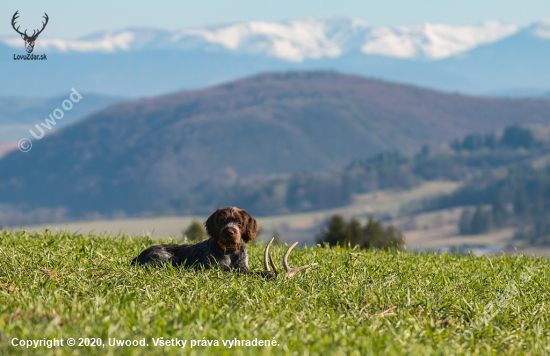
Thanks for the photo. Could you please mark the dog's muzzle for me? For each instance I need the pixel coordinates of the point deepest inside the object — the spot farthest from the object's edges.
(230, 226)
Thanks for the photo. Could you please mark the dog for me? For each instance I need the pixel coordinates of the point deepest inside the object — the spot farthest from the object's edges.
(229, 229)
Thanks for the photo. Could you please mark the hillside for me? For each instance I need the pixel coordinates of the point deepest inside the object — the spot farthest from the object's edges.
(135, 156)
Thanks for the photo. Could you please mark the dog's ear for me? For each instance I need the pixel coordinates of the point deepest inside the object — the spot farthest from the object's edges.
(212, 226)
(250, 227)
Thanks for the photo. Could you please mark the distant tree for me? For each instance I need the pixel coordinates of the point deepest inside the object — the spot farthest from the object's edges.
(355, 232)
(499, 208)
(456, 144)
(376, 236)
(195, 231)
(490, 141)
(520, 203)
(465, 223)
(538, 234)
(336, 232)
(472, 142)
(541, 233)
(276, 237)
(478, 222)
(540, 198)
(372, 235)
(424, 153)
(482, 221)
(516, 136)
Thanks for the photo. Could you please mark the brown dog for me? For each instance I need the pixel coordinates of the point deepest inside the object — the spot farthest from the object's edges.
(229, 230)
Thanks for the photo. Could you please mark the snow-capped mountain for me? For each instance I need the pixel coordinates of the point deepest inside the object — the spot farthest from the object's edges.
(433, 41)
(297, 40)
(489, 57)
(541, 29)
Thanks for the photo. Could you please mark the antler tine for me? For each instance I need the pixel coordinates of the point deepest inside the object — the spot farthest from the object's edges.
(292, 271)
(266, 254)
(13, 19)
(273, 264)
(43, 24)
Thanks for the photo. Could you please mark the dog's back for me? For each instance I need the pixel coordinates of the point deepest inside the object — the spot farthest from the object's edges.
(159, 253)
(206, 253)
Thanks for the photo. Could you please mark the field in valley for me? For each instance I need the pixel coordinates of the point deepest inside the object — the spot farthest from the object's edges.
(425, 231)
(295, 227)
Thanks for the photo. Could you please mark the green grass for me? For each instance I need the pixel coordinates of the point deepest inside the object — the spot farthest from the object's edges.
(354, 303)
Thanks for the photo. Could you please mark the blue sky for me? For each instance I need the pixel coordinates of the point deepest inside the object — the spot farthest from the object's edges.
(71, 19)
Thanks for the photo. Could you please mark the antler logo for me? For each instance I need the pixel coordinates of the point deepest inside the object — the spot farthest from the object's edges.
(29, 40)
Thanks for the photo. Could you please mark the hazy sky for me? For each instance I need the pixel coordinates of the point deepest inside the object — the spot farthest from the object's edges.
(73, 18)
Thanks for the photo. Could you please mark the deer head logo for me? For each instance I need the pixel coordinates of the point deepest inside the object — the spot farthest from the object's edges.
(29, 40)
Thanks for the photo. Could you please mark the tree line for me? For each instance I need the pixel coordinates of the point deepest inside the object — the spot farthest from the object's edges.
(309, 191)
(373, 234)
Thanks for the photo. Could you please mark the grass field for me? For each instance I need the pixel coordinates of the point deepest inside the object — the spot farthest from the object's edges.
(56, 285)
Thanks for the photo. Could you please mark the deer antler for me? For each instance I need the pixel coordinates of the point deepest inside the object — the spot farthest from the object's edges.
(266, 253)
(43, 25)
(15, 17)
(290, 272)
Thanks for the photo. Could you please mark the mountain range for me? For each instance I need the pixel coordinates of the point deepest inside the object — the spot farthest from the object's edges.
(136, 156)
(490, 57)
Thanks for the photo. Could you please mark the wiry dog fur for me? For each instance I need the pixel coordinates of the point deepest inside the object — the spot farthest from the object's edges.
(229, 230)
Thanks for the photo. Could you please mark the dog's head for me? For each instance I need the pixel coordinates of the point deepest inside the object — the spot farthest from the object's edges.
(230, 227)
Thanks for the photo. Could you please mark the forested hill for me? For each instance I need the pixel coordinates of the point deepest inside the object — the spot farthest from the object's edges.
(136, 156)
